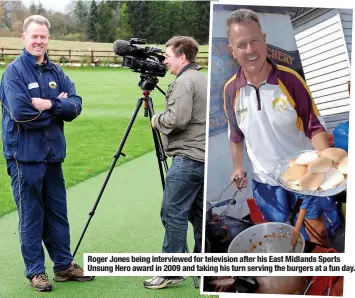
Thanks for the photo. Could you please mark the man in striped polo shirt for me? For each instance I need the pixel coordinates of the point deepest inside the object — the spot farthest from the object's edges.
(270, 109)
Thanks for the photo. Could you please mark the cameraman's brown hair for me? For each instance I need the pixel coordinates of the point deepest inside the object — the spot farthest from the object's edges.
(184, 45)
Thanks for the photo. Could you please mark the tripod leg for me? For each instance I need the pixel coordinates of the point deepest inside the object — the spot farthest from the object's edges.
(159, 157)
(194, 277)
(157, 142)
(116, 157)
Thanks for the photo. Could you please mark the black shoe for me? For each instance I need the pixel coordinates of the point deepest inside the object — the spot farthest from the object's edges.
(160, 282)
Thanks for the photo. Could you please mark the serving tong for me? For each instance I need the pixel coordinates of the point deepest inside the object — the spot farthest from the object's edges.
(218, 200)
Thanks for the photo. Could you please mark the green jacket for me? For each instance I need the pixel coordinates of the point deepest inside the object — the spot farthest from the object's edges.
(183, 124)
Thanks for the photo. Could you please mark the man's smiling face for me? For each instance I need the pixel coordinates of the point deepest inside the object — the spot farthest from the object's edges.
(36, 39)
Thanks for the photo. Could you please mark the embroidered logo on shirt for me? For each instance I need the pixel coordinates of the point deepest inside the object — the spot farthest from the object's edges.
(280, 104)
(52, 85)
(242, 112)
(33, 85)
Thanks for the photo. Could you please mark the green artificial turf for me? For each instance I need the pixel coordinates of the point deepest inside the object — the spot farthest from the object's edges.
(126, 220)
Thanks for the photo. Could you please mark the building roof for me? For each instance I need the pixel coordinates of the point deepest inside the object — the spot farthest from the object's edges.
(300, 11)
(294, 12)
(267, 9)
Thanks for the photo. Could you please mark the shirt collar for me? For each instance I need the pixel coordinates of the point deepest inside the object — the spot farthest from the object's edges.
(188, 66)
(32, 60)
(272, 78)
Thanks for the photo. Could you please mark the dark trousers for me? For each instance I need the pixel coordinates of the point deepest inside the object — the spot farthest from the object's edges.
(182, 201)
(39, 192)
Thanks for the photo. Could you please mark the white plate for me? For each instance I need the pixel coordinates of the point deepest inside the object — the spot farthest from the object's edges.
(283, 165)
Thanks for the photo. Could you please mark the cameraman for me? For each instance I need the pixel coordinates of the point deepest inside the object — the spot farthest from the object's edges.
(183, 128)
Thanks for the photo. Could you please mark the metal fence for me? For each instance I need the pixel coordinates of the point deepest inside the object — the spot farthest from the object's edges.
(89, 57)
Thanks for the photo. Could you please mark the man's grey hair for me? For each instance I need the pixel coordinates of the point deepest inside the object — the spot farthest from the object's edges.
(38, 19)
(240, 16)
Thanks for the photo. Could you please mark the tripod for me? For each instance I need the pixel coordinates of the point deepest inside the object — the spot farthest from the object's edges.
(147, 84)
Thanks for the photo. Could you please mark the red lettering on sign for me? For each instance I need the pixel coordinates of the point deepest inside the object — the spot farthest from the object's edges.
(288, 59)
(274, 54)
(280, 55)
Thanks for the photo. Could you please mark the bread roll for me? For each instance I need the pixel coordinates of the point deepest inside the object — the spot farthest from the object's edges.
(292, 175)
(335, 154)
(293, 186)
(306, 158)
(292, 161)
(311, 181)
(332, 178)
(320, 165)
(343, 165)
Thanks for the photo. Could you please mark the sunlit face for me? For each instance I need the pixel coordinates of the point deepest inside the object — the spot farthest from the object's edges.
(36, 39)
(175, 63)
(248, 46)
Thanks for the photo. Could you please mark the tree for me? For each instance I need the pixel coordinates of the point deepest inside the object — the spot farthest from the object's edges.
(13, 13)
(105, 28)
(81, 12)
(37, 9)
(116, 15)
(69, 8)
(177, 21)
(124, 31)
(190, 16)
(33, 8)
(114, 5)
(202, 33)
(158, 29)
(61, 24)
(155, 21)
(138, 18)
(40, 9)
(92, 21)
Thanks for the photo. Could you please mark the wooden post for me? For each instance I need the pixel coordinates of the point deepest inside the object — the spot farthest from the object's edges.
(92, 57)
(69, 55)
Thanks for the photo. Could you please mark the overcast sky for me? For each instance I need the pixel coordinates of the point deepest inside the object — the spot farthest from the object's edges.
(55, 5)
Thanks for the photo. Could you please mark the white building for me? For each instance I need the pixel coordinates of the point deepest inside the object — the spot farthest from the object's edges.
(323, 38)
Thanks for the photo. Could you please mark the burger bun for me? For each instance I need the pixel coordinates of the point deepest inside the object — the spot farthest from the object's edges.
(332, 178)
(319, 165)
(311, 181)
(343, 165)
(293, 174)
(335, 154)
(306, 158)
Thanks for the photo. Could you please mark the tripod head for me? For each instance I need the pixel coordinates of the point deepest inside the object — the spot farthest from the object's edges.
(148, 82)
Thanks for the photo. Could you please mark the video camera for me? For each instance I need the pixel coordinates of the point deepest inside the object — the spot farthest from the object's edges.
(145, 60)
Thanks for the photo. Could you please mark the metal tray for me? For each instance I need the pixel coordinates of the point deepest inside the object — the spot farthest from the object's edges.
(283, 165)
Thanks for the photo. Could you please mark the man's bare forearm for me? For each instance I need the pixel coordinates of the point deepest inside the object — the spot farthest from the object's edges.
(237, 154)
(320, 141)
